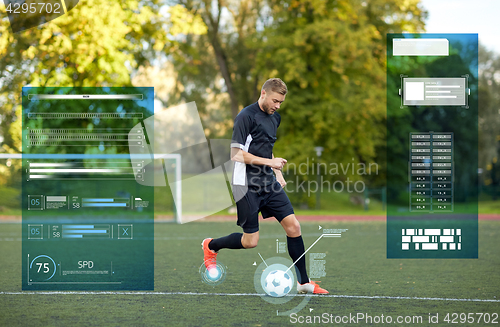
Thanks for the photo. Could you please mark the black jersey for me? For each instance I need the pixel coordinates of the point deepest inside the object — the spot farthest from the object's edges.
(254, 131)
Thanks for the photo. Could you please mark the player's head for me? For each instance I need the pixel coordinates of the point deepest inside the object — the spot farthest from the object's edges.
(272, 95)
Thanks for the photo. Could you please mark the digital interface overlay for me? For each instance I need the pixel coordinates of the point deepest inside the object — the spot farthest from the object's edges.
(432, 167)
(87, 219)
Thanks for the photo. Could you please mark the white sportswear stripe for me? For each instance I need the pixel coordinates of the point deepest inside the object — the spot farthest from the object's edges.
(240, 169)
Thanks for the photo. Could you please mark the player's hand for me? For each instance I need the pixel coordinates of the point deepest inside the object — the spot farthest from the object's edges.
(281, 180)
(277, 163)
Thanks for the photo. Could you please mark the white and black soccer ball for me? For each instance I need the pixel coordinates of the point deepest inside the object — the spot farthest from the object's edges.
(278, 283)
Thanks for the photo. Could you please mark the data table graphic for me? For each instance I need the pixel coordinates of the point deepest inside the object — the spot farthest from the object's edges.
(432, 146)
(431, 172)
(87, 223)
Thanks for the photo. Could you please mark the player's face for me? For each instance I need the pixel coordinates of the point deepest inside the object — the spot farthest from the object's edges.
(271, 101)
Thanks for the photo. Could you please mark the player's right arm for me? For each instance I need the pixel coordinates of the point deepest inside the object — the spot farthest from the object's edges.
(240, 141)
(240, 155)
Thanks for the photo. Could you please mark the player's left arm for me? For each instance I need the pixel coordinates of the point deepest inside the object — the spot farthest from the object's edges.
(277, 172)
(279, 176)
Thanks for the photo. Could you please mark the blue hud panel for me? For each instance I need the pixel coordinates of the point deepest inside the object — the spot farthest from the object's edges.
(432, 145)
(87, 221)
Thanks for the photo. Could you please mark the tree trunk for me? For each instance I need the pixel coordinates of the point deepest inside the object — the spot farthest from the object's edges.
(213, 31)
(222, 61)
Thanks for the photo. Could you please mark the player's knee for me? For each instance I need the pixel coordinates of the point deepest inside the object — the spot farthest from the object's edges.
(249, 244)
(293, 230)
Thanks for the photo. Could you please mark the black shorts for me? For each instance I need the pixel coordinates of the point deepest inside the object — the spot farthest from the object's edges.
(272, 201)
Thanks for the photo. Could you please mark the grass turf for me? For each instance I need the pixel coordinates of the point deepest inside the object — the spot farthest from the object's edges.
(356, 265)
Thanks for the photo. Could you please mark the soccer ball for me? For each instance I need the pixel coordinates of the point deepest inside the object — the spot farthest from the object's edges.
(278, 283)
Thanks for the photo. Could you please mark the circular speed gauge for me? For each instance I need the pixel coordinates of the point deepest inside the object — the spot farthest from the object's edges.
(42, 268)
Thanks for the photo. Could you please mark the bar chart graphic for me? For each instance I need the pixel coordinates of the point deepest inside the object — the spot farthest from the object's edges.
(106, 202)
(82, 223)
(86, 231)
(84, 170)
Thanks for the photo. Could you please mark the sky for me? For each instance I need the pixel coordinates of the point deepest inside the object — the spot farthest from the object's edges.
(466, 16)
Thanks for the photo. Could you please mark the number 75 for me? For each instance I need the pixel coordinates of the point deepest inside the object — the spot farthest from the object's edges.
(45, 267)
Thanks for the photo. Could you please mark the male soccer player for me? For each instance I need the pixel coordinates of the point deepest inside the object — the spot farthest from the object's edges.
(255, 187)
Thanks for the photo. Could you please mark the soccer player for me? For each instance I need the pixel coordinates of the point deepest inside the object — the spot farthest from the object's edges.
(255, 187)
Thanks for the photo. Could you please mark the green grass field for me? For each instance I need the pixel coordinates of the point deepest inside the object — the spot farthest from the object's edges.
(331, 203)
(358, 274)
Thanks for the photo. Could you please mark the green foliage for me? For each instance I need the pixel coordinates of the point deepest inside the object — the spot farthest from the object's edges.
(331, 54)
(185, 22)
(9, 198)
(335, 84)
(97, 43)
(489, 121)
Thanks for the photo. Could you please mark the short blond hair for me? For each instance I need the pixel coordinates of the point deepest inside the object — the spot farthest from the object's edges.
(275, 85)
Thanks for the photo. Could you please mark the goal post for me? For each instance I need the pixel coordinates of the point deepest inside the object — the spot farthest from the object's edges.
(175, 186)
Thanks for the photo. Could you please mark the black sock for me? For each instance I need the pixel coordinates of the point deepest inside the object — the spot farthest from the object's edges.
(295, 250)
(232, 241)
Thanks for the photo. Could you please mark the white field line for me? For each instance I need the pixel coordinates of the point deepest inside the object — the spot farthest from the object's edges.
(160, 238)
(247, 294)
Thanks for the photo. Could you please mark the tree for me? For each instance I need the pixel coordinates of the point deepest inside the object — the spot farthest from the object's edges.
(332, 54)
(225, 52)
(97, 43)
(489, 118)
